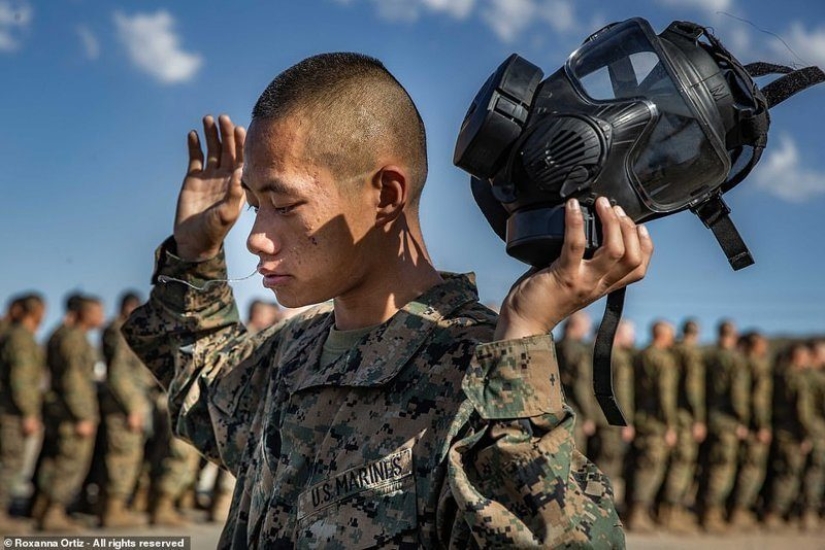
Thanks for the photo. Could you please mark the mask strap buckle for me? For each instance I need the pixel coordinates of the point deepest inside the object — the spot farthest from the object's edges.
(715, 214)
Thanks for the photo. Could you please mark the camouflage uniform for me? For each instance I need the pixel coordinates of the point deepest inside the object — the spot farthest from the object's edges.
(691, 410)
(419, 436)
(22, 365)
(72, 398)
(792, 425)
(728, 398)
(575, 360)
(611, 447)
(754, 452)
(815, 470)
(655, 389)
(126, 391)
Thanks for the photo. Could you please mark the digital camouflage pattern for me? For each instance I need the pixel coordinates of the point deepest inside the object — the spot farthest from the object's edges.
(754, 461)
(65, 456)
(126, 390)
(22, 365)
(421, 436)
(815, 469)
(728, 398)
(71, 360)
(793, 424)
(691, 409)
(575, 360)
(129, 384)
(655, 381)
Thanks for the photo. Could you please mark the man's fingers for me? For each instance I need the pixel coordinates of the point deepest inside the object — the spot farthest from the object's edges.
(193, 143)
(612, 249)
(575, 241)
(227, 137)
(213, 142)
(240, 139)
(646, 253)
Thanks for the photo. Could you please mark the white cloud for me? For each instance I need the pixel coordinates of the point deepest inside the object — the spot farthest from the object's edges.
(14, 19)
(807, 45)
(710, 6)
(780, 172)
(89, 41)
(560, 15)
(509, 18)
(410, 10)
(456, 8)
(154, 47)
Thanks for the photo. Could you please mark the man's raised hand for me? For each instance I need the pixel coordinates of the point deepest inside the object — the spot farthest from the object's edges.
(540, 300)
(211, 198)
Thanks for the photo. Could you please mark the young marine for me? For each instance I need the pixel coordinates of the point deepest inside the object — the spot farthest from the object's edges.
(400, 412)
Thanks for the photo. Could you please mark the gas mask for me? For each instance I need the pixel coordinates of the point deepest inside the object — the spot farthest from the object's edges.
(656, 123)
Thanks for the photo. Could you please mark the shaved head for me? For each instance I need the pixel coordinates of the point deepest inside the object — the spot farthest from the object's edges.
(357, 111)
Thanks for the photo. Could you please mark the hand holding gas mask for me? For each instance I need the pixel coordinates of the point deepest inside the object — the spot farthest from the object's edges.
(657, 124)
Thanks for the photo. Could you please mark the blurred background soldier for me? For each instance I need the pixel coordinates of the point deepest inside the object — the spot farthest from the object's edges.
(12, 312)
(728, 399)
(575, 358)
(611, 441)
(263, 315)
(691, 430)
(70, 414)
(655, 379)
(22, 366)
(792, 428)
(815, 469)
(755, 449)
(124, 406)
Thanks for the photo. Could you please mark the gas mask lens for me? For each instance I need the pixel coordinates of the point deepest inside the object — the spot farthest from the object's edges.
(676, 161)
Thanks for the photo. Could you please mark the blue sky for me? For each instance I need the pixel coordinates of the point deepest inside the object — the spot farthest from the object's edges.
(98, 97)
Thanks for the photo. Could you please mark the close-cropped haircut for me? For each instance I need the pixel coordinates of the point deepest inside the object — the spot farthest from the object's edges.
(355, 108)
(27, 303)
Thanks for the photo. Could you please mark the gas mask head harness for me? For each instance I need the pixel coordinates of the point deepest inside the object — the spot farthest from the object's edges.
(655, 123)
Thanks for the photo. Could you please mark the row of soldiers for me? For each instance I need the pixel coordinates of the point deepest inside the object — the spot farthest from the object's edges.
(719, 438)
(57, 393)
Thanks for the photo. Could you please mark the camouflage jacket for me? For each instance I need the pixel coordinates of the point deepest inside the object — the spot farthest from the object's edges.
(71, 360)
(691, 382)
(622, 363)
(793, 414)
(129, 383)
(575, 360)
(22, 366)
(655, 380)
(728, 385)
(417, 437)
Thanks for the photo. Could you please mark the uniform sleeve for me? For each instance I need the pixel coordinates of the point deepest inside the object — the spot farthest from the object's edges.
(583, 387)
(741, 390)
(515, 475)
(122, 377)
(25, 372)
(194, 344)
(667, 378)
(762, 395)
(623, 383)
(695, 384)
(76, 385)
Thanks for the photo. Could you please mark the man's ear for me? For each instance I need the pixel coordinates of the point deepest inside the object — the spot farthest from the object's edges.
(392, 185)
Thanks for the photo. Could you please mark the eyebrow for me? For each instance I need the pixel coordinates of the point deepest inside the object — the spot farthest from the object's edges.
(275, 186)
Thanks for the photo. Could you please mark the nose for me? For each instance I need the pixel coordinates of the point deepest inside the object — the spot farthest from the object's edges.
(261, 240)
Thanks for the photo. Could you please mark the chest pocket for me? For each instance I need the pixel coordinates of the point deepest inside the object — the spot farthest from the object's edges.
(365, 507)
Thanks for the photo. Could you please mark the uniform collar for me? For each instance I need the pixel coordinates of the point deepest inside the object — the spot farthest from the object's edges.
(382, 352)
